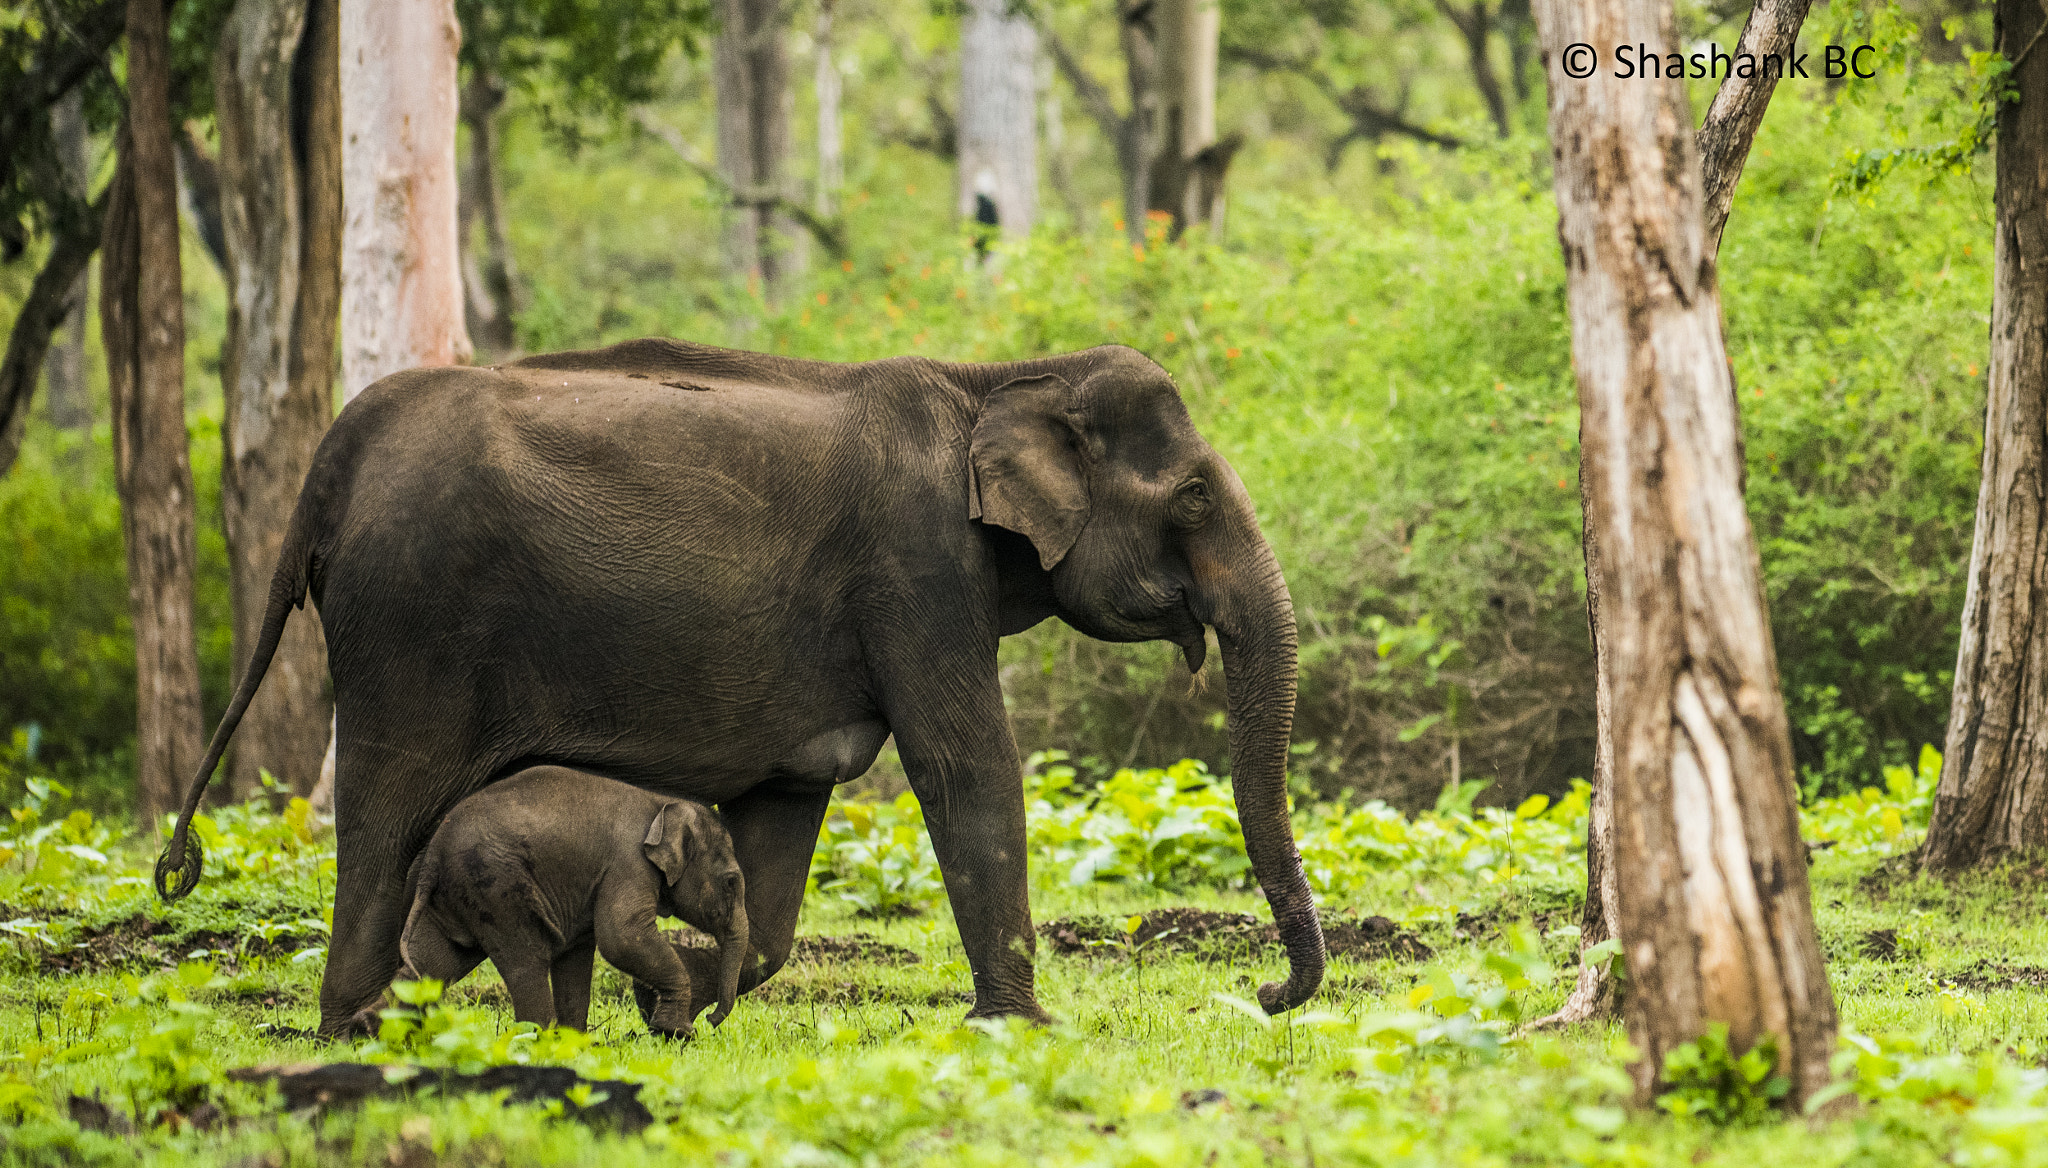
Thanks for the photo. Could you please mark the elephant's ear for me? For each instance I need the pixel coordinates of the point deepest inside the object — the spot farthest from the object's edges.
(1025, 465)
(668, 842)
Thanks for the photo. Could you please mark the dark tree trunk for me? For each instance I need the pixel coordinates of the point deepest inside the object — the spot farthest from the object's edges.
(29, 340)
(1715, 915)
(1738, 108)
(278, 107)
(67, 399)
(1475, 27)
(489, 278)
(142, 320)
(751, 63)
(1993, 797)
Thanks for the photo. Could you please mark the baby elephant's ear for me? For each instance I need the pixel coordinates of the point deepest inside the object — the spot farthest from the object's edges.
(668, 842)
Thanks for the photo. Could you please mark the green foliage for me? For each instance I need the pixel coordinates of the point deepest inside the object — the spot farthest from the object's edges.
(1874, 822)
(877, 857)
(422, 1030)
(1706, 1080)
(44, 855)
(578, 59)
(1164, 829)
(158, 1033)
(66, 647)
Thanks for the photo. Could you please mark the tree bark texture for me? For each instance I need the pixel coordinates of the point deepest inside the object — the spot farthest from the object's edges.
(277, 103)
(1723, 140)
(831, 138)
(1993, 797)
(142, 316)
(750, 63)
(401, 270)
(28, 342)
(490, 277)
(1739, 105)
(66, 396)
(1714, 910)
(998, 144)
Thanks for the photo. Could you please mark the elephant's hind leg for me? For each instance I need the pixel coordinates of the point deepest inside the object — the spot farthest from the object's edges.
(382, 819)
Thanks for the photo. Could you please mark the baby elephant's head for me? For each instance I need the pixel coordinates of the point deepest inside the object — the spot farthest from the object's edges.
(702, 885)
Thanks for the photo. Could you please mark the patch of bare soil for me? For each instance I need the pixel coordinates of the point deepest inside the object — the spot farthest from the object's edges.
(140, 940)
(1224, 936)
(852, 947)
(1994, 975)
(618, 1105)
(799, 991)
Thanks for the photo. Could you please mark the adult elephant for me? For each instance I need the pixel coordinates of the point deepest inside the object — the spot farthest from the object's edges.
(729, 577)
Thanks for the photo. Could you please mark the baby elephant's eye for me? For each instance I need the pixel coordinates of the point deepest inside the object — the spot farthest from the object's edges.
(1191, 504)
(732, 882)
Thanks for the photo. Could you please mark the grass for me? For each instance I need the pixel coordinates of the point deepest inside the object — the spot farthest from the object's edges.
(853, 1057)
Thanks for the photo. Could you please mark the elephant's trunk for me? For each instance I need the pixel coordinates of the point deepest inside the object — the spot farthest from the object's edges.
(732, 957)
(1254, 621)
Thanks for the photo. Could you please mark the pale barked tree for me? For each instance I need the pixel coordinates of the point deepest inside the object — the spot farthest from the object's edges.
(1713, 909)
(997, 173)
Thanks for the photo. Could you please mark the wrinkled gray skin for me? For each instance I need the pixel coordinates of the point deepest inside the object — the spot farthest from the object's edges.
(730, 577)
(541, 869)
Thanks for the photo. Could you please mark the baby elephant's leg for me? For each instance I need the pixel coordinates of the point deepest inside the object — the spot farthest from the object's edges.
(571, 977)
(630, 941)
(525, 970)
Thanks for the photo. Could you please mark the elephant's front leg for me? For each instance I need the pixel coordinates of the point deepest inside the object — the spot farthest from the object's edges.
(954, 737)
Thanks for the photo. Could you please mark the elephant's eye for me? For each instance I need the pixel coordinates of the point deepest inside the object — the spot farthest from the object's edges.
(1191, 504)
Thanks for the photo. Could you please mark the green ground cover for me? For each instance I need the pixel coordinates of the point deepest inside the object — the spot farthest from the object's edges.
(1150, 951)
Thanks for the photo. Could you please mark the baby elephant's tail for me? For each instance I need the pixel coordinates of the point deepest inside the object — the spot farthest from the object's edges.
(179, 867)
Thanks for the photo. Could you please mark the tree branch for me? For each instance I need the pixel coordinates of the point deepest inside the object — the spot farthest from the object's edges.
(830, 233)
(1094, 97)
(47, 304)
(1738, 109)
(57, 71)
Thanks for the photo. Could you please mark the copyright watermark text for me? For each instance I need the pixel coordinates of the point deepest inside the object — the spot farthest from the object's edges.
(1629, 62)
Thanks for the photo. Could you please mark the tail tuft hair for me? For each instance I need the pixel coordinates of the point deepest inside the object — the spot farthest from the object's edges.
(185, 870)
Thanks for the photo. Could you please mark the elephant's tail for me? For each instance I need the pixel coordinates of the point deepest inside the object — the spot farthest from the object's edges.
(179, 867)
(426, 873)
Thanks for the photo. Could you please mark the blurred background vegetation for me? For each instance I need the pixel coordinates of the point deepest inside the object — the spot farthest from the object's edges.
(1377, 340)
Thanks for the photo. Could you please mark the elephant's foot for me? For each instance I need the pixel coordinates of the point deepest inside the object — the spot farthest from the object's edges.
(666, 1015)
(1028, 1009)
(349, 1027)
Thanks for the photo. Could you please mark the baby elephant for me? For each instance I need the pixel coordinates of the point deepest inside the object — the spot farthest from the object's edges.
(536, 870)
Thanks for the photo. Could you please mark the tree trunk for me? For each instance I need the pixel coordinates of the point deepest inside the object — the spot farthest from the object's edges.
(67, 398)
(1715, 915)
(1738, 109)
(1993, 797)
(997, 179)
(751, 65)
(400, 264)
(831, 156)
(278, 108)
(1723, 140)
(401, 272)
(29, 340)
(1137, 138)
(491, 277)
(1475, 27)
(142, 315)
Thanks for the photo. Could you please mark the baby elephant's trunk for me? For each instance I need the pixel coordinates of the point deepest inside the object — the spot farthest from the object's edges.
(732, 957)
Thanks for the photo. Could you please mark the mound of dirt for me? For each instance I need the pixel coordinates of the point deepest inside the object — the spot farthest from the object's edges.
(1994, 975)
(141, 940)
(852, 947)
(853, 993)
(1224, 936)
(342, 1084)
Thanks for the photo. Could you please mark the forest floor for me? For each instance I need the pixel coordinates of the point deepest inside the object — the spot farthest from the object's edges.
(856, 1052)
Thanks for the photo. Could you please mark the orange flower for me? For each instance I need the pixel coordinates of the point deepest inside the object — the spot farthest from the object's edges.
(1973, 370)
(1119, 225)
(1170, 337)
(1354, 318)
(925, 272)
(1231, 353)
(959, 293)
(823, 299)
(1138, 252)
(1562, 485)
(845, 265)
(909, 188)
